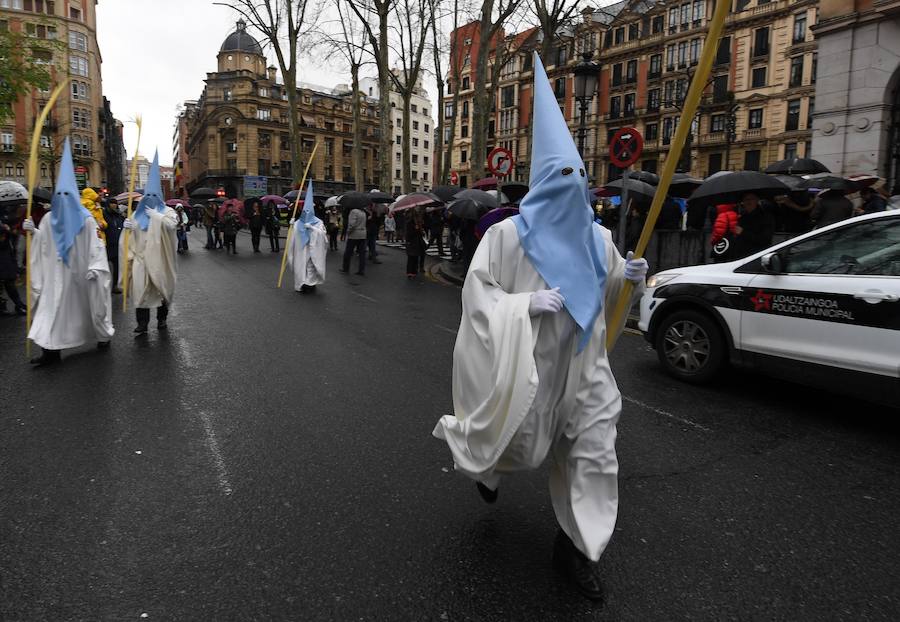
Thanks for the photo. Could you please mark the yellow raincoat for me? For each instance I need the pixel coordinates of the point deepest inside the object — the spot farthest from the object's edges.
(89, 200)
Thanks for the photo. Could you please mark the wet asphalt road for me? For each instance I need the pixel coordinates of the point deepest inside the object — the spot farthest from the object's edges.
(270, 457)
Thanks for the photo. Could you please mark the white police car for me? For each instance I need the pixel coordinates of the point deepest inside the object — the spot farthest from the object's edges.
(822, 308)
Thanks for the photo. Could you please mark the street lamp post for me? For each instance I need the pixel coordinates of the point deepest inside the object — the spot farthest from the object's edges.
(586, 74)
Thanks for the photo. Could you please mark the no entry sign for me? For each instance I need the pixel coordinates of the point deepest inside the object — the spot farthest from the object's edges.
(500, 162)
(625, 147)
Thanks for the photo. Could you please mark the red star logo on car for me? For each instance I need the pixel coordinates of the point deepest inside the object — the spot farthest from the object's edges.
(762, 301)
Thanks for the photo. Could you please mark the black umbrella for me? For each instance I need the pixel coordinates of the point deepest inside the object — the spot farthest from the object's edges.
(729, 188)
(376, 196)
(683, 185)
(797, 166)
(445, 193)
(355, 200)
(42, 194)
(827, 181)
(646, 177)
(203, 193)
(515, 191)
(472, 204)
(638, 191)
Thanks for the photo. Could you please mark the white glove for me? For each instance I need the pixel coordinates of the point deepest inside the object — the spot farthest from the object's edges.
(130, 224)
(635, 269)
(92, 275)
(28, 225)
(545, 301)
(308, 227)
(291, 223)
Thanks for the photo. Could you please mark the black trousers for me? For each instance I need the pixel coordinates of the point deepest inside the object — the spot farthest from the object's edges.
(273, 240)
(333, 238)
(230, 242)
(13, 293)
(255, 234)
(415, 264)
(143, 315)
(349, 249)
(114, 264)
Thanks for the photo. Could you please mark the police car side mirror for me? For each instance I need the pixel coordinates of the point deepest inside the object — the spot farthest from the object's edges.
(771, 263)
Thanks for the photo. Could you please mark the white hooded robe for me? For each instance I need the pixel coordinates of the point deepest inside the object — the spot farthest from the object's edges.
(153, 255)
(522, 391)
(308, 261)
(72, 309)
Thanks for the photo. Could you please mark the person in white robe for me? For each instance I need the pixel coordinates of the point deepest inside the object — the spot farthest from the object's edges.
(308, 247)
(531, 377)
(70, 279)
(152, 254)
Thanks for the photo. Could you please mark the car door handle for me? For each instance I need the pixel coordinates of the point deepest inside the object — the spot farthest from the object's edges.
(876, 295)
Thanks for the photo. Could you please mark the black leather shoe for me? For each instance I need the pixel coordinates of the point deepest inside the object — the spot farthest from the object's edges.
(47, 357)
(572, 564)
(161, 325)
(103, 345)
(489, 496)
(140, 330)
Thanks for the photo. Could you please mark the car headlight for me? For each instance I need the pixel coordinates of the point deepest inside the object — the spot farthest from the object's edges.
(658, 280)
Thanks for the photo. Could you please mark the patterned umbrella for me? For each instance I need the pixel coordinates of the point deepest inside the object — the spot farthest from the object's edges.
(416, 199)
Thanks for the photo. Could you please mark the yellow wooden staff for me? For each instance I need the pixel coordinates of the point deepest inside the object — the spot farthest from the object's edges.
(698, 83)
(287, 241)
(32, 180)
(134, 160)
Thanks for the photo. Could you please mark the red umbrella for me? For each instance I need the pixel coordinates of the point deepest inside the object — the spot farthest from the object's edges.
(274, 198)
(416, 199)
(233, 205)
(488, 183)
(177, 202)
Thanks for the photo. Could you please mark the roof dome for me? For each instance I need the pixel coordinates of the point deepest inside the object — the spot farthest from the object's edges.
(240, 41)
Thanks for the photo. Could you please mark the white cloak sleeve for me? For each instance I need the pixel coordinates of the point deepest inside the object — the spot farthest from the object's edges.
(495, 377)
(100, 291)
(160, 252)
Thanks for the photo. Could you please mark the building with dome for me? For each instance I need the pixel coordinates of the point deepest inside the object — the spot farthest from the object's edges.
(236, 136)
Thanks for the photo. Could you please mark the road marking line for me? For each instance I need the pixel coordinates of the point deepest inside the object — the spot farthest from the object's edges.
(445, 329)
(364, 297)
(213, 445)
(660, 411)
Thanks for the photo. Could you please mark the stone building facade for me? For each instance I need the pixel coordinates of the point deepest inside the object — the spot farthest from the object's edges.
(81, 114)
(857, 120)
(236, 135)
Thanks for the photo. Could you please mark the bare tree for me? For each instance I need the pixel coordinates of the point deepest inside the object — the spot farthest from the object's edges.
(454, 68)
(552, 15)
(493, 15)
(279, 20)
(379, 11)
(347, 37)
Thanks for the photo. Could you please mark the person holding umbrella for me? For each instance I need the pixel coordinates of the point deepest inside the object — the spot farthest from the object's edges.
(755, 228)
(531, 377)
(415, 243)
(831, 206)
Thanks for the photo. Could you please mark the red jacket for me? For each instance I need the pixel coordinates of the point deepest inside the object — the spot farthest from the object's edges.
(725, 223)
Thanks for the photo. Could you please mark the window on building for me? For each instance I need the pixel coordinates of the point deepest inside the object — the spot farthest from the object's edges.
(7, 141)
(426, 144)
(414, 108)
(426, 128)
(78, 66)
(685, 16)
(761, 42)
(448, 110)
(800, 28)
(75, 14)
(285, 140)
(669, 94)
(230, 146)
(465, 109)
(227, 95)
(629, 104)
(669, 126)
(655, 65)
(698, 11)
(463, 155)
(717, 123)
(264, 139)
(615, 107)
(793, 115)
(559, 88)
(415, 126)
(657, 25)
(619, 36)
(81, 91)
(673, 20)
(415, 159)
(723, 52)
(796, 73)
(634, 31)
(507, 96)
(652, 100)
(617, 74)
(682, 53)
(758, 77)
(695, 51)
(751, 160)
(809, 113)
(464, 131)
(720, 88)
(631, 72)
(11, 4)
(651, 131)
(814, 68)
(77, 41)
(790, 151)
(415, 142)
(81, 145)
(425, 174)
(397, 156)
(397, 173)
(264, 114)
(670, 57)
(263, 91)
(81, 119)
(465, 83)
(398, 140)
(715, 163)
(755, 119)
(415, 174)
(425, 160)
(446, 135)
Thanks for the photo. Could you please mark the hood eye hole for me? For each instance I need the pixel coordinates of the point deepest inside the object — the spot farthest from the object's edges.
(568, 170)
(581, 170)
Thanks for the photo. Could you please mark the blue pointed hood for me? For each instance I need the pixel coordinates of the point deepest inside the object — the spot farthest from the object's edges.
(153, 196)
(67, 214)
(555, 221)
(308, 215)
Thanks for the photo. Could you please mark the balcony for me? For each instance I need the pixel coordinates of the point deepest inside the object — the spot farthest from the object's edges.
(226, 172)
(756, 133)
(713, 138)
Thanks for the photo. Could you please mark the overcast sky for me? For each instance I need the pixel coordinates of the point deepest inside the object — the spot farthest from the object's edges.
(157, 54)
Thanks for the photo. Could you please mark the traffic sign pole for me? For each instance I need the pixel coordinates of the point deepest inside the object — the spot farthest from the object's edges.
(623, 213)
(624, 150)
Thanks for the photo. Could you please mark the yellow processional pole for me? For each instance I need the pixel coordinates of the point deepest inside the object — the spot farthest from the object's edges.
(287, 240)
(131, 181)
(698, 83)
(32, 180)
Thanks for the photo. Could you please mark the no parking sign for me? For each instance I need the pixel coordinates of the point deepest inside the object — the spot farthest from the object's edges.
(500, 162)
(625, 147)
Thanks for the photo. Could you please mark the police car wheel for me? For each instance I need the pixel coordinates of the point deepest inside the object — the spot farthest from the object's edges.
(690, 346)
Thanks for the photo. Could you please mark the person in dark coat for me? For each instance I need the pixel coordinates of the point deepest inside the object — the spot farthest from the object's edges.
(115, 222)
(755, 227)
(831, 206)
(230, 227)
(9, 271)
(872, 202)
(209, 221)
(256, 221)
(273, 226)
(436, 231)
(373, 224)
(469, 241)
(415, 244)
